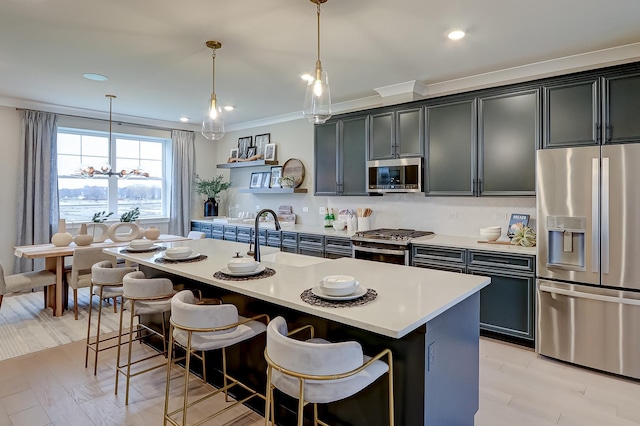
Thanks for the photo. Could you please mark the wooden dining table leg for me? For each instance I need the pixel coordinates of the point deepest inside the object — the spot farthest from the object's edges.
(54, 296)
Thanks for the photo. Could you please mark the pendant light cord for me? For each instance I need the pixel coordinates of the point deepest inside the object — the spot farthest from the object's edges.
(213, 71)
(318, 63)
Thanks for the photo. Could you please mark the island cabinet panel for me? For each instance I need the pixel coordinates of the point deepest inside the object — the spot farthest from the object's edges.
(217, 232)
(571, 114)
(243, 234)
(311, 244)
(340, 157)
(451, 149)
(508, 136)
(621, 106)
(206, 228)
(336, 247)
(289, 242)
(274, 238)
(196, 226)
(230, 233)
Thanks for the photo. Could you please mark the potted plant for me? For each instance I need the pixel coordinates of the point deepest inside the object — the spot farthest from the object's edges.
(211, 188)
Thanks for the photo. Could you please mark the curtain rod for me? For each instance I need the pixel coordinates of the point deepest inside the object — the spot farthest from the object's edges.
(146, 126)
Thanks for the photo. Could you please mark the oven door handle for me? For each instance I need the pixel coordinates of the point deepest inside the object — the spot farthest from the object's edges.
(378, 250)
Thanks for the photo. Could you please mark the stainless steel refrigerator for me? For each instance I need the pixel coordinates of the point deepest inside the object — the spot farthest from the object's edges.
(588, 287)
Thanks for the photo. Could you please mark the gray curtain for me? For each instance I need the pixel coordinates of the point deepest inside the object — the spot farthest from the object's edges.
(182, 173)
(37, 204)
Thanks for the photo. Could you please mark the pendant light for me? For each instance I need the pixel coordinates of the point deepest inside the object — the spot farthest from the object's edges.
(317, 101)
(213, 124)
(105, 168)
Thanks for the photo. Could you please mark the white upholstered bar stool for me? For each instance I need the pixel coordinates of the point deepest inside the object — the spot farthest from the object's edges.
(196, 235)
(200, 328)
(142, 296)
(319, 372)
(80, 274)
(106, 282)
(24, 281)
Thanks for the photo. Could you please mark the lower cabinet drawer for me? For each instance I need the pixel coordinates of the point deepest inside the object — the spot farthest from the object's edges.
(217, 232)
(441, 255)
(461, 269)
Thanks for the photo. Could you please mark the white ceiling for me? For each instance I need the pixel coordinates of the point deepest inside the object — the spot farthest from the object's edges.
(154, 52)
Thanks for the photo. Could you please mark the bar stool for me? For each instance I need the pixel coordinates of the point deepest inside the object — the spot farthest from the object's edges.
(142, 296)
(319, 372)
(203, 328)
(106, 282)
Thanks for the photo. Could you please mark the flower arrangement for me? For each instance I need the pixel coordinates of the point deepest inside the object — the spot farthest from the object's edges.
(131, 215)
(211, 187)
(100, 217)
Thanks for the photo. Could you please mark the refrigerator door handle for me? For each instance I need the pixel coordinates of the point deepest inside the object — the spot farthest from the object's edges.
(599, 297)
(595, 214)
(605, 216)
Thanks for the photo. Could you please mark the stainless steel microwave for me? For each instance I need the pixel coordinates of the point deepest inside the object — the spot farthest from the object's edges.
(399, 175)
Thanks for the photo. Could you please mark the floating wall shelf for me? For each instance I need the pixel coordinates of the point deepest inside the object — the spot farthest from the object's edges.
(254, 163)
(274, 190)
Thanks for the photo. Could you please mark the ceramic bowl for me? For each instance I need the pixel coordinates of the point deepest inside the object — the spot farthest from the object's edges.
(242, 264)
(490, 234)
(178, 252)
(140, 244)
(339, 225)
(339, 285)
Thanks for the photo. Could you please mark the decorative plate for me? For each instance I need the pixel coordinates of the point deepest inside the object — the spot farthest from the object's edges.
(294, 167)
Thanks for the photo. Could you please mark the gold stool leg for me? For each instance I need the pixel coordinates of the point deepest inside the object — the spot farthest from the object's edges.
(119, 344)
(169, 362)
(224, 374)
(301, 404)
(391, 409)
(268, 395)
(132, 306)
(204, 370)
(315, 414)
(95, 358)
(86, 353)
(186, 379)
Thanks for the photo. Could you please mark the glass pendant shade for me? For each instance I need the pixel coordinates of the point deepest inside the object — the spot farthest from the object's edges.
(213, 123)
(317, 100)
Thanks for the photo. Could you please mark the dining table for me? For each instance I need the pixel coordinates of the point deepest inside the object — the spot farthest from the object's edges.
(55, 296)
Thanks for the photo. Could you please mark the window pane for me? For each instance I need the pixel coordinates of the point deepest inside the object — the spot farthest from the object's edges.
(68, 164)
(154, 168)
(95, 145)
(139, 192)
(68, 143)
(126, 148)
(151, 150)
(80, 198)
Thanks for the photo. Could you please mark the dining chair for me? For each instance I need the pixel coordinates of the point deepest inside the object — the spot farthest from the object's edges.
(198, 328)
(196, 235)
(80, 274)
(24, 281)
(317, 371)
(142, 296)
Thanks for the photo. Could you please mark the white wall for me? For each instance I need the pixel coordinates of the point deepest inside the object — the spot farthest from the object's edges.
(11, 163)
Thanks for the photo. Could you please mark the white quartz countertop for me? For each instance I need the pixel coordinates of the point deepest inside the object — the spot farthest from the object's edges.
(473, 244)
(408, 297)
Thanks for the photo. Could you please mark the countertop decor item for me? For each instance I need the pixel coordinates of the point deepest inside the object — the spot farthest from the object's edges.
(152, 233)
(61, 238)
(317, 100)
(115, 232)
(524, 236)
(211, 188)
(213, 123)
(99, 231)
(83, 238)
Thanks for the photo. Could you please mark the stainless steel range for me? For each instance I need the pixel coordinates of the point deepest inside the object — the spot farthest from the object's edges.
(385, 245)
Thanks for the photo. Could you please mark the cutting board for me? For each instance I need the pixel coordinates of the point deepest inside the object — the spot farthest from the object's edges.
(506, 243)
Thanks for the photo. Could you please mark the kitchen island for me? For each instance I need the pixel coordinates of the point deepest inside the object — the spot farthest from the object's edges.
(428, 318)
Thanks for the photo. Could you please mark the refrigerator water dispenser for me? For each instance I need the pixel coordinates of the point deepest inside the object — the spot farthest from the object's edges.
(566, 242)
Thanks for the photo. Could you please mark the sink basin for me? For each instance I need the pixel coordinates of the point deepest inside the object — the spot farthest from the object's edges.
(290, 259)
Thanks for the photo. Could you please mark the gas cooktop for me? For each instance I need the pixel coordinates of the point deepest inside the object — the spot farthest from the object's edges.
(386, 234)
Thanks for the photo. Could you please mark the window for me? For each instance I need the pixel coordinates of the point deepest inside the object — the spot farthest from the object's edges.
(81, 197)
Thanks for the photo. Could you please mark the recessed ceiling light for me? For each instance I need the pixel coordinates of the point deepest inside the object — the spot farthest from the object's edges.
(184, 119)
(95, 77)
(307, 77)
(456, 34)
(228, 108)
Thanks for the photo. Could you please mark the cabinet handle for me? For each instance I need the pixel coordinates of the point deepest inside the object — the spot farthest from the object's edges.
(474, 187)
(598, 132)
(608, 136)
(480, 187)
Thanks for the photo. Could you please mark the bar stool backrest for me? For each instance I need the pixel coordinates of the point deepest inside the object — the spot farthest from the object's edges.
(186, 314)
(104, 273)
(136, 286)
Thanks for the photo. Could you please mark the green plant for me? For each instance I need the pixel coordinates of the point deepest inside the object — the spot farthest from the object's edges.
(100, 217)
(524, 236)
(211, 187)
(131, 215)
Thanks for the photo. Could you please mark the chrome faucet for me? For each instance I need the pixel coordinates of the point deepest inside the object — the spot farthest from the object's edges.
(256, 241)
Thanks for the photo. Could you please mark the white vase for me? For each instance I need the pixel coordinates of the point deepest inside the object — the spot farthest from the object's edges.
(83, 239)
(152, 233)
(61, 238)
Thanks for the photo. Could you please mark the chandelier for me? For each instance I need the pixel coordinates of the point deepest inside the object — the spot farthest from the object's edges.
(213, 124)
(317, 101)
(105, 168)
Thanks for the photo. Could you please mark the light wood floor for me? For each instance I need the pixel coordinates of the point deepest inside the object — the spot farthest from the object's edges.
(517, 387)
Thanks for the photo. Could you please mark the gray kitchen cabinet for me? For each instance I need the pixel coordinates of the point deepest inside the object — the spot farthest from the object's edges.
(340, 157)
(230, 233)
(508, 136)
(451, 149)
(289, 242)
(621, 106)
(396, 134)
(274, 238)
(217, 232)
(311, 244)
(571, 113)
(336, 247)
(206, 228)
(244, 234)
(196, 226)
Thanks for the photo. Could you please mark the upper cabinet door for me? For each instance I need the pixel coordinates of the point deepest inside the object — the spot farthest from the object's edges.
(621, 109)
(326, 158)
(508, 131)
(571, 114)
(381, 140)
(409, 132)
(450, 160)
(353, 159)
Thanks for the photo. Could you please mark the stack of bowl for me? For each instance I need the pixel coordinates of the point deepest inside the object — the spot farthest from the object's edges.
(178, 252)
(242, 264)
(140, 244)
(339, 285)
(491, 233)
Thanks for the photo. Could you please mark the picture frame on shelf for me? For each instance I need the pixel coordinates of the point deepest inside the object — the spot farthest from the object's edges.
(243, 146)
(234, 153)
(256, 180)
(260, 142)
(251, 151)
(270, 152)
(266, 179)
(276, 174)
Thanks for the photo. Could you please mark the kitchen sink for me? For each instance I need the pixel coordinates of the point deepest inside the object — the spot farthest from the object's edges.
(290, 259)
